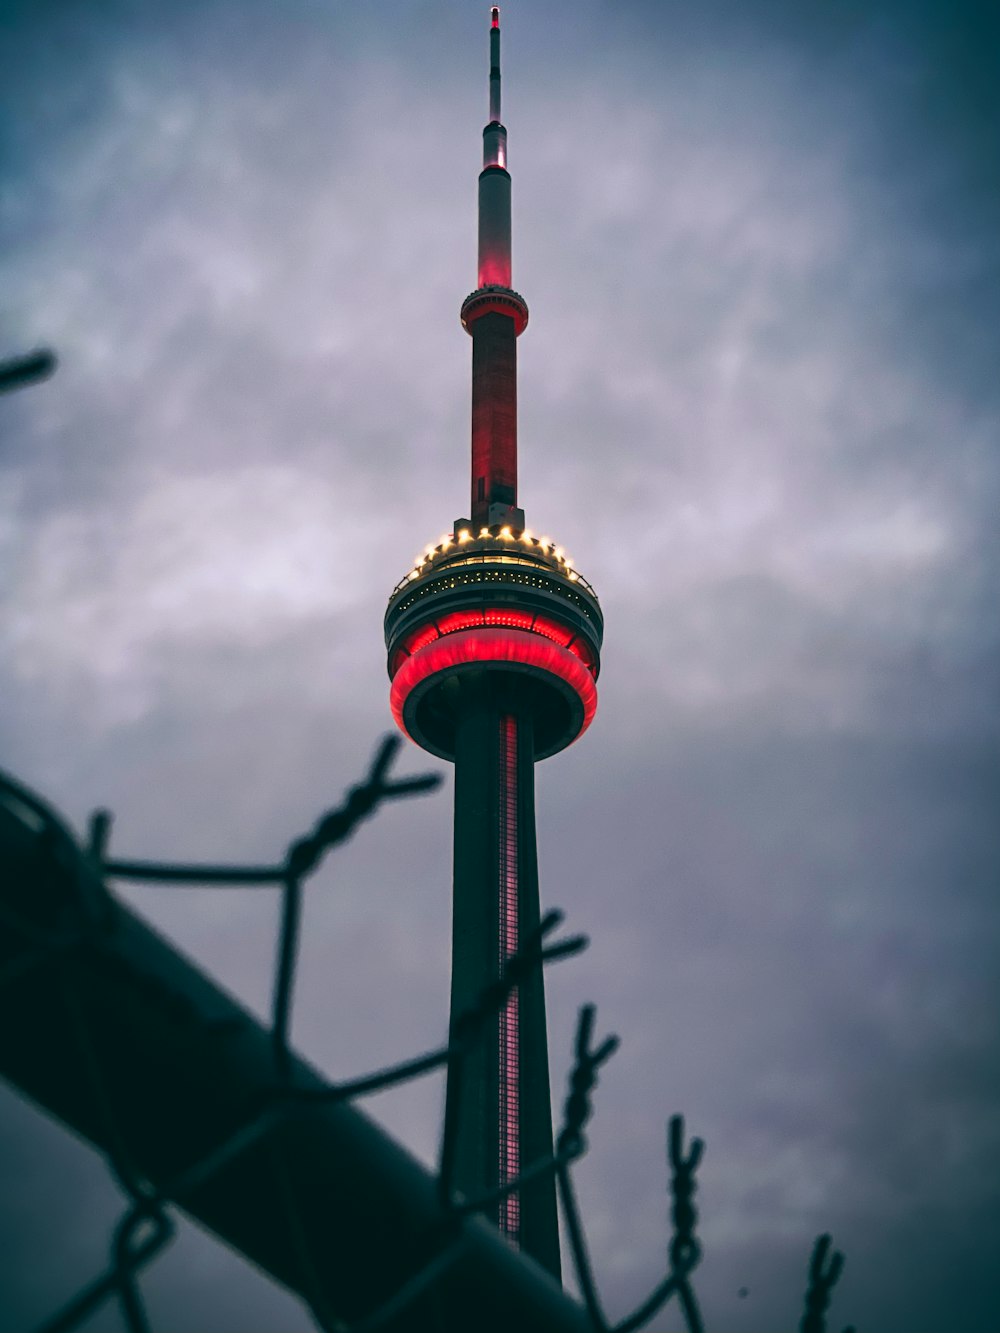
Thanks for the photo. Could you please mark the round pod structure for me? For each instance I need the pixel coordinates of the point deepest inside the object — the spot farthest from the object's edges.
(503, 606)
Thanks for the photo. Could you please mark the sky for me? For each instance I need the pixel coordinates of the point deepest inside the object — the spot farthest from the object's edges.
(759, 407)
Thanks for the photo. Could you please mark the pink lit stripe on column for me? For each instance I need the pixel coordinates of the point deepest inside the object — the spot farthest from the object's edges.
(510, 1150)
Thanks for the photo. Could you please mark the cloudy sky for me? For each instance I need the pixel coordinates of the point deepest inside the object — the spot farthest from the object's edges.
(759, 407)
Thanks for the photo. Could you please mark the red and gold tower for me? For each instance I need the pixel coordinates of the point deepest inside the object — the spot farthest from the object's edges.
(493, 651)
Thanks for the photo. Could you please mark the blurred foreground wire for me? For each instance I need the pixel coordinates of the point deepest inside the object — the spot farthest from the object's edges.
(20, 371)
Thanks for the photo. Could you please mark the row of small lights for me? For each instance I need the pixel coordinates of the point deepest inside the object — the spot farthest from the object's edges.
(505, 534)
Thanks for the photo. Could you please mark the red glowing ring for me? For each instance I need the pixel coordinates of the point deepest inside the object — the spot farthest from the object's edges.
(500, 617)
(491, 646)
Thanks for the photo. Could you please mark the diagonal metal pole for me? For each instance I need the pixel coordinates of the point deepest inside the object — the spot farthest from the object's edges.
(187, 1074)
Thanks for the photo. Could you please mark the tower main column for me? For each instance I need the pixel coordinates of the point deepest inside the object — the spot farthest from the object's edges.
(506, 1120)
(493, 646)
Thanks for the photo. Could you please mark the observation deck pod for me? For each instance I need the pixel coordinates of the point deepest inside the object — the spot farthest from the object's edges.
(494, 300)
(503, 605)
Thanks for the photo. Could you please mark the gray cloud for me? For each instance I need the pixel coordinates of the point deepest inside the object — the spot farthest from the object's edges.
(757, 406)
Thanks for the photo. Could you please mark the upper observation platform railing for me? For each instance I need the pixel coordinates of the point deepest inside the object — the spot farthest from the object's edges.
(495, 548)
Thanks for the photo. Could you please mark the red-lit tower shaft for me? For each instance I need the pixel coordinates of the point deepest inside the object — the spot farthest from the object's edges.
(509, 1062)
(494, 415)
(494, 326)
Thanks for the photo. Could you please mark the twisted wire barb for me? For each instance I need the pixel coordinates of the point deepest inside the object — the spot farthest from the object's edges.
(571, 1144)
(303, 856)
(684, 1250)
(822, 1278)
(578, 1110)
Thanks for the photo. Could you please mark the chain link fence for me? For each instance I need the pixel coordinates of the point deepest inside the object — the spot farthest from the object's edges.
(198, 1107)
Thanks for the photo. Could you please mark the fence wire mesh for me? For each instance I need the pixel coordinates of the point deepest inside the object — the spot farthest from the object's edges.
(71, 910)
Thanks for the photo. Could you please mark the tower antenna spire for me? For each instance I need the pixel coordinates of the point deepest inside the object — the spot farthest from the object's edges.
(495, 63)
(495, 316)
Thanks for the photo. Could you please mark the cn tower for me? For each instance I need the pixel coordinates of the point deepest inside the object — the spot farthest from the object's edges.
(493, 646)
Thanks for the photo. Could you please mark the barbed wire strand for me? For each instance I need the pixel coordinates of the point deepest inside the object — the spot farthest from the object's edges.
(684, 1250)
(571, 1144)
(823, 1277)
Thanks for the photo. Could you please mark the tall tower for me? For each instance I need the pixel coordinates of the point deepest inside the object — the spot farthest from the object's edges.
(494, 647)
